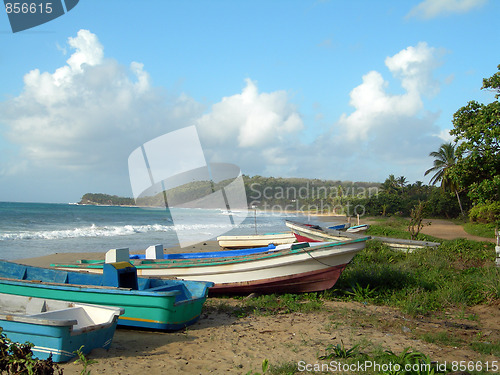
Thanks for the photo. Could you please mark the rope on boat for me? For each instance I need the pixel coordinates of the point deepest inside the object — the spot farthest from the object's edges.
(316, 259)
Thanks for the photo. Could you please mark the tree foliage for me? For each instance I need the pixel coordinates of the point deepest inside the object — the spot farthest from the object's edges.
(477, 133)
(444, 158)
(106, 199)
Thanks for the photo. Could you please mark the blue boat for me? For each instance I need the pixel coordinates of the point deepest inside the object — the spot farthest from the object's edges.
(57, 328)
(156, 252)
(151, 303)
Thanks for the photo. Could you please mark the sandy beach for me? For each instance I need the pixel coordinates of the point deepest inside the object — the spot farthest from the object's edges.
(223, 343)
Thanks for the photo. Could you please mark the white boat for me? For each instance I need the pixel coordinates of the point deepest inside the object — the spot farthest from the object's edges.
(57, 328)
(291, 268)
(256, 240)
(358, 228)
(315, 233)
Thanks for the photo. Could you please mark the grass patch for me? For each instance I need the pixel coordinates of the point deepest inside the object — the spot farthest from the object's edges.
(286, 368)
(442, 338)
(270, 304)
(397, 229)
(480, 230)
(486, 348)
(458, 273)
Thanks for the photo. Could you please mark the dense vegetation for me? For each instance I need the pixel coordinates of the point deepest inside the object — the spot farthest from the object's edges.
(105, 199)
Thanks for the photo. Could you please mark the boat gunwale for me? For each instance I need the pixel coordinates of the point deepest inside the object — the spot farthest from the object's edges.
(174, 263)
(90, 288)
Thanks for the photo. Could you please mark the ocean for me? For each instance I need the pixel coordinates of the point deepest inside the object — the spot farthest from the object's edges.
(36, 229)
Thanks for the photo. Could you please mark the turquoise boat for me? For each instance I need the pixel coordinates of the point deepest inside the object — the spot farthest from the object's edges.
(150, 303)
(57, 328)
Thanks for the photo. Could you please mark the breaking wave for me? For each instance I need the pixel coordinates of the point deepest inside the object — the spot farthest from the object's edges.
(115, 231)
(90, 231)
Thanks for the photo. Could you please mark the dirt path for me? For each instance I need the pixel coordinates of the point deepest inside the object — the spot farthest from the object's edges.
(448, 230)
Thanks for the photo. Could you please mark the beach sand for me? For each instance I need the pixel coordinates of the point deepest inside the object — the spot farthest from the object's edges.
(223, 343)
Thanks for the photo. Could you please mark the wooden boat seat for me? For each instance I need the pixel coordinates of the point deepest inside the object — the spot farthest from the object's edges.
(35, 306)
(78, 314)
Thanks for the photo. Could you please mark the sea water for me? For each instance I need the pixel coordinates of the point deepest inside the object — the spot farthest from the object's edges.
(36, 229)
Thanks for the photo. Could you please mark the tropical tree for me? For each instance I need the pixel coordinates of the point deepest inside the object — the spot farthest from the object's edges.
(402, 181)
(390, 185)
(477, 131)
(444, 159)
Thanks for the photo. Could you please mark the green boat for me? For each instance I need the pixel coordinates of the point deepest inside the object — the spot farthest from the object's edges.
(150, 303)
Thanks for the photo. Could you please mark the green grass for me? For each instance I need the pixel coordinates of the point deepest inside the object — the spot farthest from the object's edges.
(442, 338)
(480, 230)
(397, 228)
(455, 275)
(487, 348)
(269, 304)
(458, 273)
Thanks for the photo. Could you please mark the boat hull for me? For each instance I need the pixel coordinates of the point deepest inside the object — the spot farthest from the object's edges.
(300, 268)
(168, 306)
(305, 282)
(60, 332)
(313, 233)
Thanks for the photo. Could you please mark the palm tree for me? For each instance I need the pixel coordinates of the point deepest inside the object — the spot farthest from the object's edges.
(390, 184)
(444, 159)
(402, 181)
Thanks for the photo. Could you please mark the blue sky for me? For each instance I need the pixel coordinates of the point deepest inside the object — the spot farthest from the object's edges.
(349, 90)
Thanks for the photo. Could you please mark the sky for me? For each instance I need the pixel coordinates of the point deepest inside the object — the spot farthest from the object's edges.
(334, 90)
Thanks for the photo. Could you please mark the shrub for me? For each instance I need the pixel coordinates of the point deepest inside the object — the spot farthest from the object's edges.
(485, 213)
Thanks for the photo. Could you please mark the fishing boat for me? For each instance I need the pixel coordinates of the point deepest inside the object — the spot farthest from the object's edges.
(350, 229)
(292, 268)
(157, 252)
(256, 240)
(315, 233)
(342, 226)
(357, 228)
(148, 302)
(57, 328)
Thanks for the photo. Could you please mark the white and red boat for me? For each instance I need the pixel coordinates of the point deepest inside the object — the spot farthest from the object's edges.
(315, 233)
(292, 268)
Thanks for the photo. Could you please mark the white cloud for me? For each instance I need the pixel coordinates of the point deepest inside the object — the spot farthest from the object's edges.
(91, 112)
(435, 8)
(445, 135)
(376, 109)
(88, 115)
(251, 121)
(414, 67)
